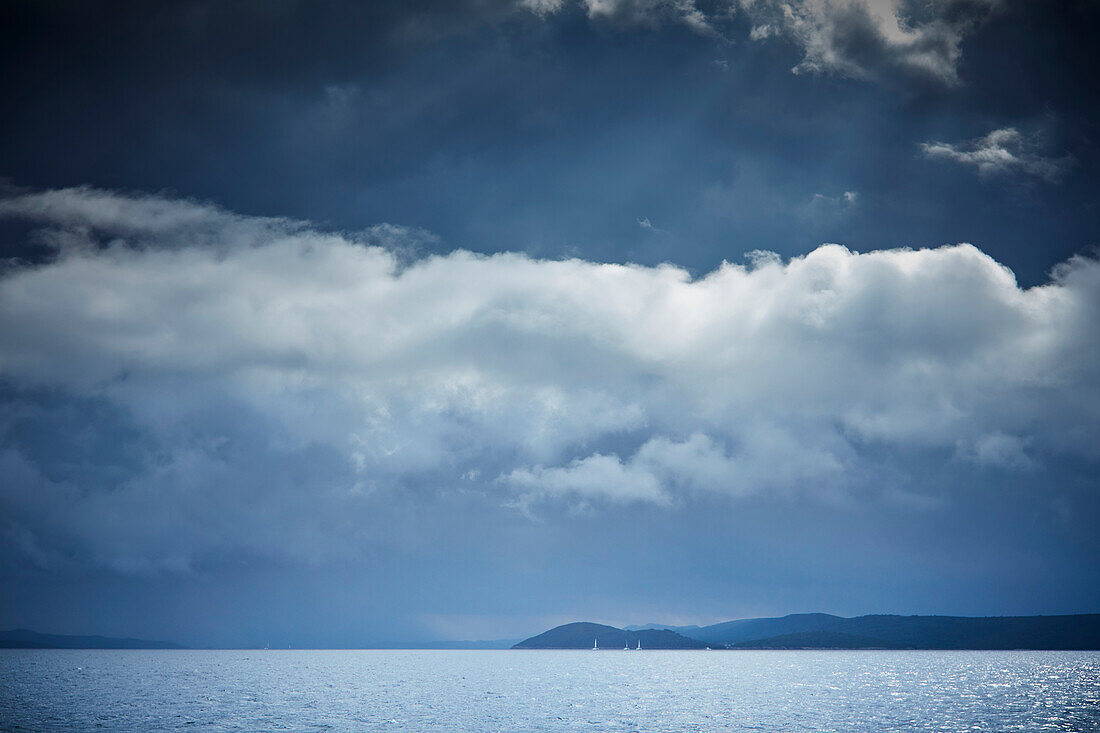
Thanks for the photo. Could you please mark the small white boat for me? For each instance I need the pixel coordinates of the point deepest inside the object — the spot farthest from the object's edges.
(639, 645)
(595, 645)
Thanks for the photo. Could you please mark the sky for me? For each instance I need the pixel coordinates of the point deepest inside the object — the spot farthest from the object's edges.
(339, 323)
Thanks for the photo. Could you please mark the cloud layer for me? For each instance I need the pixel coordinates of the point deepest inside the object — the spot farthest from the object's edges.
(248, 385)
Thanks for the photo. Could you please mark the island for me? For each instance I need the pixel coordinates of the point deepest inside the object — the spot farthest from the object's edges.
(595, 636)
(825, 631)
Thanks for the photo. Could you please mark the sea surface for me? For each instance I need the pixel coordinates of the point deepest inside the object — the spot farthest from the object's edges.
(857, 691)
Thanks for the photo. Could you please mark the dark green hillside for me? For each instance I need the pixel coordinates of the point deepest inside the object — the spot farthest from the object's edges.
(748, 629)
(960, 632)
(816, 640)
(921, 632)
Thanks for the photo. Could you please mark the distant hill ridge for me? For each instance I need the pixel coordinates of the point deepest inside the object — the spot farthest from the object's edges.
(817, 640)
(822, 630)
(27, 639)
(584, 635)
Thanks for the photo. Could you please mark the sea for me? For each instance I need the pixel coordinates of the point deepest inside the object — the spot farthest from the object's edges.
(613, 690)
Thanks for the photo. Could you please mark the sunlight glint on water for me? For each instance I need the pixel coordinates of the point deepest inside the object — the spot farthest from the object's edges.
(549, 690)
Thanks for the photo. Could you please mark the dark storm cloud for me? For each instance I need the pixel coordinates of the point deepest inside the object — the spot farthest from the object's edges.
(500, 129)
(879, 40)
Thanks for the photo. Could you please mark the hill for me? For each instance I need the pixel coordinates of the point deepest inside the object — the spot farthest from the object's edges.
(908, 632)
(582, 635)
(962, 632)
(816, 640)
(27, 639)
(734, 632)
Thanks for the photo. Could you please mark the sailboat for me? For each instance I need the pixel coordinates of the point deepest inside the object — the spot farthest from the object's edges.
(595, 645)
(639, 645)
(626, 646)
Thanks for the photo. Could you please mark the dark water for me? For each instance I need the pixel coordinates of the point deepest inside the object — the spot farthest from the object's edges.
(549, 690)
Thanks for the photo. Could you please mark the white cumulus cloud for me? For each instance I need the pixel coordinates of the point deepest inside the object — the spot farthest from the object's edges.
(268, 366)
